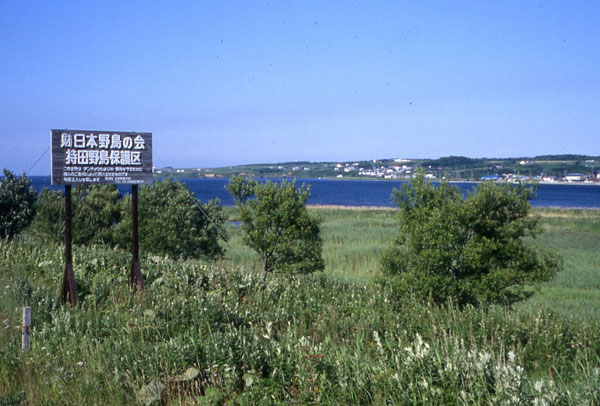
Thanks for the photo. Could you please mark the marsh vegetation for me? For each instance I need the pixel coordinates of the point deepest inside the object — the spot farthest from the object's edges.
(215, 333)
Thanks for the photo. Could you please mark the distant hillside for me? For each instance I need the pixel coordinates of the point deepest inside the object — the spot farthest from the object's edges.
(452, 167)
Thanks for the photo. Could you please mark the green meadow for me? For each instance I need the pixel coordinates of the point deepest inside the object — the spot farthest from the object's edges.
(575, 235)
(214, 333)
(353, 238)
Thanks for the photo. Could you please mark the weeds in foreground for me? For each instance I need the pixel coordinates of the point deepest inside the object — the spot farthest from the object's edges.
(208, 334)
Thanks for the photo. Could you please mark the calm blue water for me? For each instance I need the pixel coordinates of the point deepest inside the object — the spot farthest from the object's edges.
(371, 193)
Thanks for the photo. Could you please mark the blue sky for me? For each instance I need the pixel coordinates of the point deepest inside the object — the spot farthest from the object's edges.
(233, 82)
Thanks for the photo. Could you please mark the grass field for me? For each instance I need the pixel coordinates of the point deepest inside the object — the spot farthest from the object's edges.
(352, 241)
(575, 235)
(215, 334)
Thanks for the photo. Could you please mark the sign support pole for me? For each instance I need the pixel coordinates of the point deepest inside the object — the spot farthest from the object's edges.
(68, 285)
(136, 271)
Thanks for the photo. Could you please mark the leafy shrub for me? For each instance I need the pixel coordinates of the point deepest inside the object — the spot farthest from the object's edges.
(49, 220)
(277, 225)
(95, 210)
(173, 222)
(470, 250)
(17, 200)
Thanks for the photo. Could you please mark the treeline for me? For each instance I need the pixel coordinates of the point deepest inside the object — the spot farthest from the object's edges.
(565, 157)
(455, 162)
(469, 250)
(172, 220)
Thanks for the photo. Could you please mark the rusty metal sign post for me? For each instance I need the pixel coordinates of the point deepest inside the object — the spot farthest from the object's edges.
(136, 269)
(68, 285)
(82, 157)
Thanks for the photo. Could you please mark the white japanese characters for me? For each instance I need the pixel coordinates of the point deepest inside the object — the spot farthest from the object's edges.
(102, 149)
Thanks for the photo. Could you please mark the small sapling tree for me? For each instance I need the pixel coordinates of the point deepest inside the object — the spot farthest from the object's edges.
(471, 250)
(277, 225)
(17, 204)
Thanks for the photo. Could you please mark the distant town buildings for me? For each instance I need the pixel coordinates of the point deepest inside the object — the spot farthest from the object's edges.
(521, 170)
(387, 172)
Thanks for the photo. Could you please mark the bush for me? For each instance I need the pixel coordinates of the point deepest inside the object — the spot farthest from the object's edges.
(49, 220)
(173, 222)
(95, 209)
(470, 250)
(17, 204)
(277, 226)
(96, 213)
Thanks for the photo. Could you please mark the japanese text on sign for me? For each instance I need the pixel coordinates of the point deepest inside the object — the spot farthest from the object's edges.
(88, 157)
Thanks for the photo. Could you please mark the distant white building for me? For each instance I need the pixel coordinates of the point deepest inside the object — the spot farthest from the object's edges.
(575, 177)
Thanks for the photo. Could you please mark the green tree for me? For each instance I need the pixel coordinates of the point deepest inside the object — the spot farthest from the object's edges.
(173, 222)
(95, 209)
(17, 204)
(49, 220)
(471, 250)
(96, 213)
(277, 225)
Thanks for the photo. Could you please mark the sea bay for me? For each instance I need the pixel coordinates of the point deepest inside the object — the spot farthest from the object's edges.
(375, 193)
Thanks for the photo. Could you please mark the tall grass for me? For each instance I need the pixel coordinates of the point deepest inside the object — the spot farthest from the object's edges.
(354, 239)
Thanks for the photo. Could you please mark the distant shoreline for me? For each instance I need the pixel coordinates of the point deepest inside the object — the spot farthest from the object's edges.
(366, 180)
(342, 207)
(535, 183)
(388, 208)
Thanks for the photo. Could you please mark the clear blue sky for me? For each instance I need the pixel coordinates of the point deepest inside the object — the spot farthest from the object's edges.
(232, 82)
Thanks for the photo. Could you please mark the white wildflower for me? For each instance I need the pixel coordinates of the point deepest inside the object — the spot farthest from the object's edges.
(304, 342)
(539, 386)
(269, 327)
(378, 342)
(422, 348)
(511, 356)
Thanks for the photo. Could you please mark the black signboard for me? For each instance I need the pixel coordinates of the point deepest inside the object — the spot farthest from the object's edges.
(101, 157)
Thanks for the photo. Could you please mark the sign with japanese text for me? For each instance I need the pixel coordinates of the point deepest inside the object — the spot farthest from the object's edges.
(101, 157)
